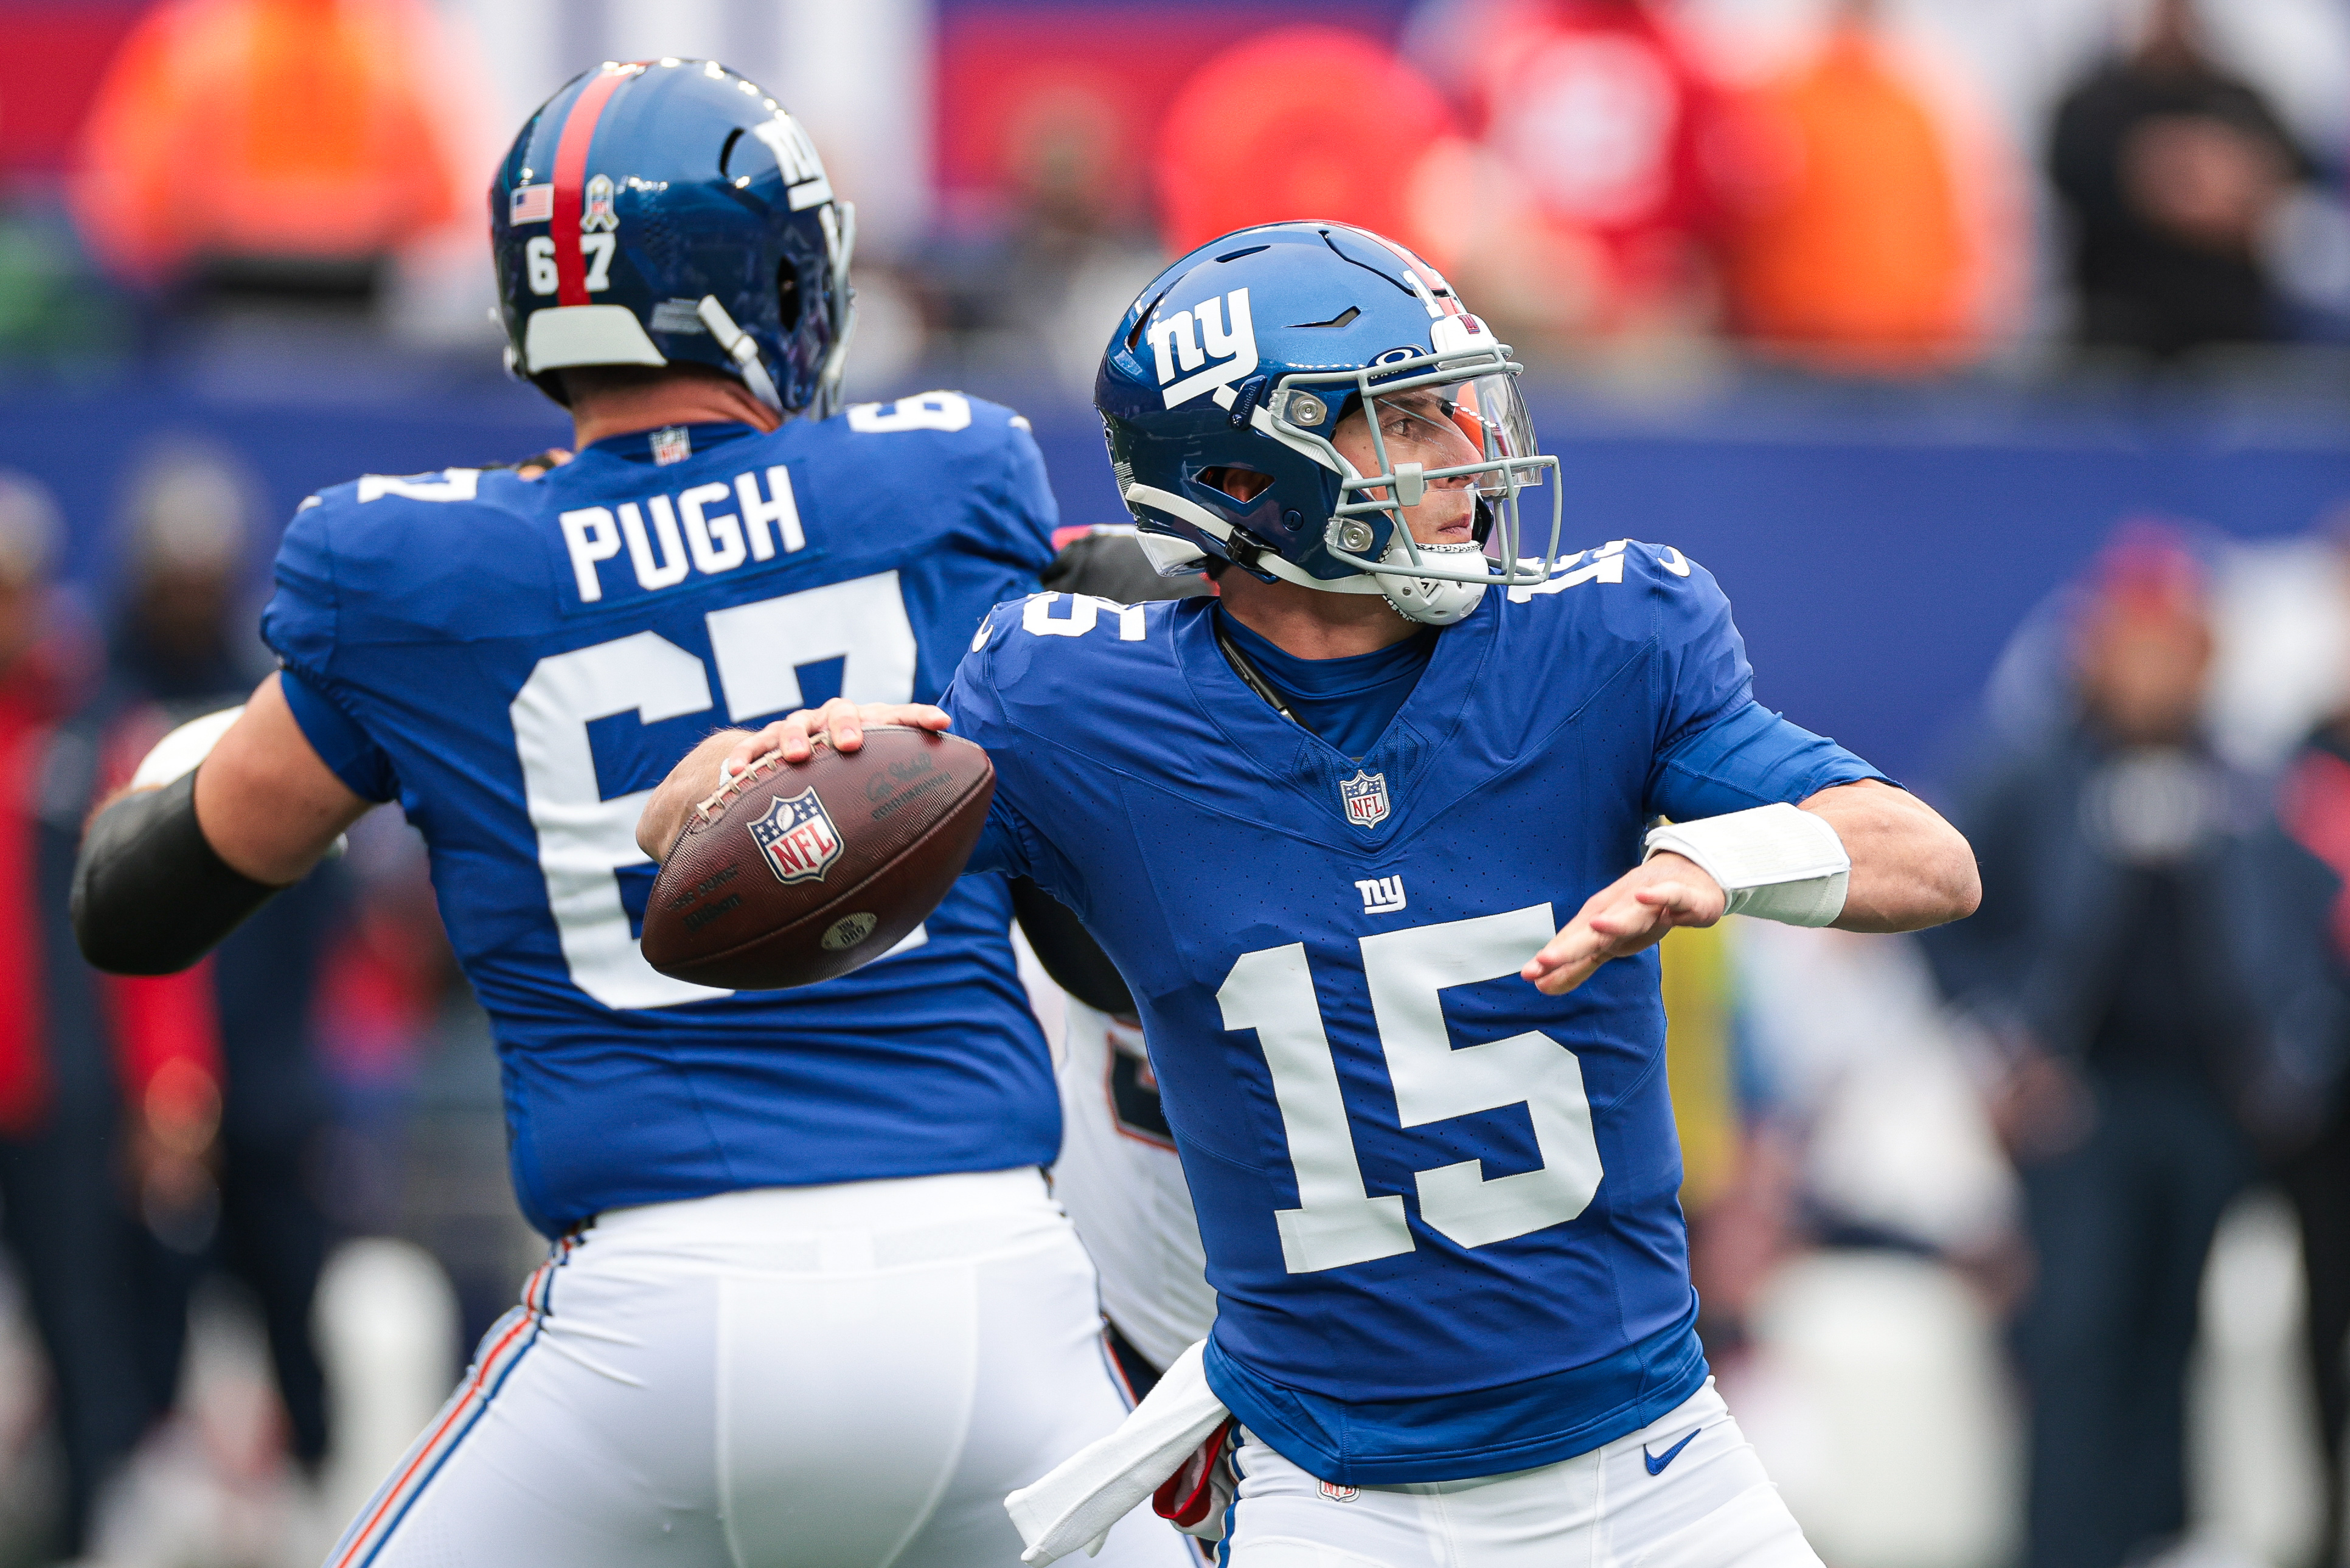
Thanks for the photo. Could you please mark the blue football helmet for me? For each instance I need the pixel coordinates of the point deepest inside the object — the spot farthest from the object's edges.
(1250, 352)
(668, 211)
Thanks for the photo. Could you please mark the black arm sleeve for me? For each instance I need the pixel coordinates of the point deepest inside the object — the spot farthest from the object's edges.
(1072, 958)
(149, 895)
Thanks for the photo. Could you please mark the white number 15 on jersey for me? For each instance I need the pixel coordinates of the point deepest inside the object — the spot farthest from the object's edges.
(1336, 1221)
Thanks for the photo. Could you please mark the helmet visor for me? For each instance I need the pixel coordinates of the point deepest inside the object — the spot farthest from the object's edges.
(1479, 422)
(1489, 413)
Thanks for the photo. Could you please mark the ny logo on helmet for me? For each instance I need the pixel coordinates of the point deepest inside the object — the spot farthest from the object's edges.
(1217, 328)
(797, 158)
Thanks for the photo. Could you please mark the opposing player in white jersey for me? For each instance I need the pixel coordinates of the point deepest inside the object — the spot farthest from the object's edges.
(1373, 840)
(808, 1301)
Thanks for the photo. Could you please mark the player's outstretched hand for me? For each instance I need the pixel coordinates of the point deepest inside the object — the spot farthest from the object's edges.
(1632, 912)
(840, 723)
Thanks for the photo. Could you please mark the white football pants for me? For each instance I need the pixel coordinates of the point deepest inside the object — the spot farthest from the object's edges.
(847, 1377)
(1707, 1505)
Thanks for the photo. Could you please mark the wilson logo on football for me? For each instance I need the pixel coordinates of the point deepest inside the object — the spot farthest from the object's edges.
(1184, 344)
(797, 837)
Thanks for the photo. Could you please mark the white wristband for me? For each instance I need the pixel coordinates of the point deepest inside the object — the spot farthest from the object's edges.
(1776, 862)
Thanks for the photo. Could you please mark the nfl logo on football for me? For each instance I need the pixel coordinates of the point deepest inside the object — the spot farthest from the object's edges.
(1366, 798)
(797, 838)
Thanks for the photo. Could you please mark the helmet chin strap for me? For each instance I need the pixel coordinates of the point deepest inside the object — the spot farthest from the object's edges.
(740, 347)
(1430, 601)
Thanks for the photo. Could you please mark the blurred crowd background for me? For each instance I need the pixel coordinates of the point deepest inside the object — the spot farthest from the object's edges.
(1994, 354)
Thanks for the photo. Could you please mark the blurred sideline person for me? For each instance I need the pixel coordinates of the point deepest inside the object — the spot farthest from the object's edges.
(1861, 246)
(1326, 825)
(1634, 158)
(807, 1300)
(2170, 169)
(229, 1107)
(1298, 119)
(2139, 958)
(73, 1241)
(2314, 807)
(328, 145)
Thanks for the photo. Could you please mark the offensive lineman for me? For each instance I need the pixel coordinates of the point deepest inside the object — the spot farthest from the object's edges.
(1327, 827)
(808, 1301)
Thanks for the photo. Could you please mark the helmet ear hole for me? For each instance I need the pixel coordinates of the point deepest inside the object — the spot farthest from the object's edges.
(787, 298)
(1242, 485)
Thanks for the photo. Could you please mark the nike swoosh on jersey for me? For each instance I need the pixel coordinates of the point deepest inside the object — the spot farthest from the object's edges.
(1657, 1462)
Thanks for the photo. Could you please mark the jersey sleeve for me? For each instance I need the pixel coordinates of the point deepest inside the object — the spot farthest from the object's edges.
(1024, 501)
(1748, 757)
(299, 621)
(1009, 842)
(1717, 750)
(349, 752)
(299, 624)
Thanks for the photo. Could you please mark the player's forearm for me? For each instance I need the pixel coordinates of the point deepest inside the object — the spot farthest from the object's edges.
(689, 784)
(1910, 870)
(268, 807)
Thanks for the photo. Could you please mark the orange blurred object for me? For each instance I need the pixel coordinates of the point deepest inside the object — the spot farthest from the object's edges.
(1298, 122)
(276, 129)
(1858, 253)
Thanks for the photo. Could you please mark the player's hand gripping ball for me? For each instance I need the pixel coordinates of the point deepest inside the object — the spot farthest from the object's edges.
(796, 873)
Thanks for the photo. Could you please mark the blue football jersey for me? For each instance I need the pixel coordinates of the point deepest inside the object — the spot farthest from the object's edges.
(1440, 1208)
(521, 662)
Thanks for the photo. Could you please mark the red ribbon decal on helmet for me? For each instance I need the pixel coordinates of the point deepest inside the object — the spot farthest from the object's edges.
(571, 176)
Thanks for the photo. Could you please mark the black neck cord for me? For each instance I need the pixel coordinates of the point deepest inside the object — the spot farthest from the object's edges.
(1255, 680)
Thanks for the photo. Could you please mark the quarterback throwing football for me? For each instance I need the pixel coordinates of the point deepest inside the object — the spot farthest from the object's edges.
(1380, 840)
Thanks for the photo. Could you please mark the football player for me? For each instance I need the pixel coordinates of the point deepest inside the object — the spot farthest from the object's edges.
(1382, 839)
(808, 1300)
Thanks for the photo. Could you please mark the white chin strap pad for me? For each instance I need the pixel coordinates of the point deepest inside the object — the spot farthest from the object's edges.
(1432, 601)
(1776, 862)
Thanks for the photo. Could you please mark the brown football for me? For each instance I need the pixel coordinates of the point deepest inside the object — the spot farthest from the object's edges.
(797, 873)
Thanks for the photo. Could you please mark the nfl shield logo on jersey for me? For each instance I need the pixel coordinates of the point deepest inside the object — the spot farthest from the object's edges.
(797, 837)
(1366, 798)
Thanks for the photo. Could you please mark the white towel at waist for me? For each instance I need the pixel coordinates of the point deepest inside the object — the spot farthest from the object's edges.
(1076, 1502)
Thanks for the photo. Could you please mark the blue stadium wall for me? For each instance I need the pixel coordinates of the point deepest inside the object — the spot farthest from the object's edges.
(1879, 543)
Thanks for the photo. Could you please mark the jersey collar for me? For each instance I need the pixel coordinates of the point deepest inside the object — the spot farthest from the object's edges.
(1432, 720)
(639, 446)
